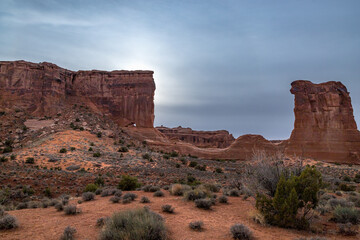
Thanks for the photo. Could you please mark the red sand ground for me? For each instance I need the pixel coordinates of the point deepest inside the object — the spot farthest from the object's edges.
(41, 224)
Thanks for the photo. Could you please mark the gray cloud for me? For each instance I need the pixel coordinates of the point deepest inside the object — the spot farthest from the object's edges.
(218, 64)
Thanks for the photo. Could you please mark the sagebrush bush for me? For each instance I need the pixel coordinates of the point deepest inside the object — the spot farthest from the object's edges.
(72, 210)
(204, 203)
(68, 233)
(195, 194)
(128, 183)
(346, 215)
(118, 193)
(108, 192)
(158, 194)
(167, 208)
(101, 221)
(223, 199)
(126, 200)
(8, 221)
(179, 189)
(196, 225)
(144, 199)
(91, 188)
(334, 202)
(347, 229)
(88, 196)
(233, 193)
(241, 232)
(138, 224)
(131, 196)
(59, 206)
(115, 199)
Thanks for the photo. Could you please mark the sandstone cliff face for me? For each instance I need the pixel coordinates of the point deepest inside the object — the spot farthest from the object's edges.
(204, 139)
(324, 127)
(44, 89)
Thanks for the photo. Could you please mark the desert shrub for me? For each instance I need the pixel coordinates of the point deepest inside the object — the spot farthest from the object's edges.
(292, 194)
(128, 183)
(63, 150)
(137, 224)
(347, 178)
(167, 208)
(174, 154)
(123, 149)
(118, 193)
(219, 170)
(144, 199)
(99, 134)
(72, 210)
(150, 188)
(98, 191)
(201, 168)
(131, 196)
(338, 193)
(91, 188)
(68, 233)
(179, 189)
(263, 175)
(115, 199)
(193, 164)
(195, 194)
(211, 187)
(97, 154)
(99, 181)
(346, 188)
(158, 194)
(101, 221)
(8, 221)
(59, 206)
(146, 156)
(333, 203)
(22, 205)
(30, 160)
(223, 199)
(240, 231)
(347, 229)
(204, 203)
(126, 200)
(88, 196)
(196, 225)
(108, 192)
(7, 149)
(346, 215)
(357, 178)
(3, 159)
(233, 193)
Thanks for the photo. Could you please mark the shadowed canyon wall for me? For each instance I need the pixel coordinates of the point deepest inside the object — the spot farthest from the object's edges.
(44, 89)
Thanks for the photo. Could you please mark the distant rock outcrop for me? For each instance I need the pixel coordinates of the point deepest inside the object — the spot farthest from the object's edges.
(204, 139)
(324, 127)
(44, 89)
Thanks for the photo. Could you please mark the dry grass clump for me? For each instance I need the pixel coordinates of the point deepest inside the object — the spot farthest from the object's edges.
(136, 224)
(179, 189)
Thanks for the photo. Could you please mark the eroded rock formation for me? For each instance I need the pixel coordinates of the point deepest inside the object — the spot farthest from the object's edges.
(45, 89)
(324, 127)
(204, 139)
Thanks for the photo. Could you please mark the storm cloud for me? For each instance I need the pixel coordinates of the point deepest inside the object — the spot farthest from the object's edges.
(218, 64)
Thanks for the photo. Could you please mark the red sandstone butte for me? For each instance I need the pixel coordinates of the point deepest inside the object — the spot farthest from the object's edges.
(44, 89)
(325, 127)
(204, 139)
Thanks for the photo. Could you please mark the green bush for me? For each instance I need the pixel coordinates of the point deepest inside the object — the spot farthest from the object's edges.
(91, 188)
(123, 149)
(128, 183)
(97, 154)
(99, 181)
(346, 215)
(292, 194)
(138, 224)
(63, 150)
(30, 160)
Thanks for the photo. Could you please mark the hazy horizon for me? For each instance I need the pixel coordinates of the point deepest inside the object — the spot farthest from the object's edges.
(217, 64)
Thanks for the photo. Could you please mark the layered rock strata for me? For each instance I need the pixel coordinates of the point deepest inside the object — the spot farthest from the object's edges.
(45, 89)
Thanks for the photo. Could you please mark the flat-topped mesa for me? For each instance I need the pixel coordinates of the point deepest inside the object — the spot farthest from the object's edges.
(44, 89)
(324, 127)
(204, 139)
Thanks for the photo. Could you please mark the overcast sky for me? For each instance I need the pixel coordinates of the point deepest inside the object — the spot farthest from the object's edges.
(218, 64)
